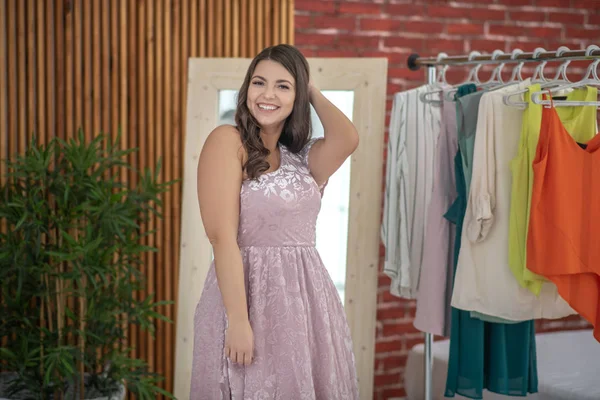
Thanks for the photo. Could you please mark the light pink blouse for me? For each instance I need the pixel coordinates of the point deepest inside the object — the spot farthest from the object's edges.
(435, 283)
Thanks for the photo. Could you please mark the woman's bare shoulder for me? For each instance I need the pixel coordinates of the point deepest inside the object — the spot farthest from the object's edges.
(226, 139)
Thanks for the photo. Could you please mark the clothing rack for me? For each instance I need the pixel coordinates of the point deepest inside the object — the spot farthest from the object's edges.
(415, 62)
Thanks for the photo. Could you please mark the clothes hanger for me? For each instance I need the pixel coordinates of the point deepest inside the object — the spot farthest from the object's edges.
(538, 77)
(473, 77)
(590, 79)
(561, 73)
(440, 82)
(496, 77)
(516, 75)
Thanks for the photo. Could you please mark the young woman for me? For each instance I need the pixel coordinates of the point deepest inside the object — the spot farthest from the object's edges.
(270, 324)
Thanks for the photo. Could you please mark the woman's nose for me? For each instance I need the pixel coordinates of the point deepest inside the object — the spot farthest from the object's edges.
(269, 92)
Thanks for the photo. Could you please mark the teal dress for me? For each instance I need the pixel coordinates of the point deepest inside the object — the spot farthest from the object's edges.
(485, 355)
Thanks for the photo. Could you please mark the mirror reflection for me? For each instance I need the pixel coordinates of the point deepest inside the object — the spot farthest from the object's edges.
(332, 223)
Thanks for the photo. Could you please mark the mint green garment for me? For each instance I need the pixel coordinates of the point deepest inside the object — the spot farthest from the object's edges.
(498, 357)
(467, 108)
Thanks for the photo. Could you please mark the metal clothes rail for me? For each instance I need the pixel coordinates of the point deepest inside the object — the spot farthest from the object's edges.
(563, 53)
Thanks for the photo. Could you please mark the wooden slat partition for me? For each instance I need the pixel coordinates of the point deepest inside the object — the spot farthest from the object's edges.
(110, 65)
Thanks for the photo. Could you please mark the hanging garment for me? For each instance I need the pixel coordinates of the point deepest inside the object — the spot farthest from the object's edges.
(580, 123)
(467, 109)
(563, 241)
(302, 343)
(484, 283)
(483, 355)
(414, 129)
(435, 286)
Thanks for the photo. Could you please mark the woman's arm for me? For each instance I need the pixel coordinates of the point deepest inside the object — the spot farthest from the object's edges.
(219, 183)
(339, 142)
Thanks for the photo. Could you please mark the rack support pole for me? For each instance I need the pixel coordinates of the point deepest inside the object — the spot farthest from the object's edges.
(428, 336)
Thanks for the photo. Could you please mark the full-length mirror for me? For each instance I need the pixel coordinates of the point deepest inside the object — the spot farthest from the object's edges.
(347, 236)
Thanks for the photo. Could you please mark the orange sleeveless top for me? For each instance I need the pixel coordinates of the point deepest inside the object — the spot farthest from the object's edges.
(563, 241)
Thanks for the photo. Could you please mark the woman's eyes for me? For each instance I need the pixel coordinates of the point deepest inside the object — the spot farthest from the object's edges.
(260, 83)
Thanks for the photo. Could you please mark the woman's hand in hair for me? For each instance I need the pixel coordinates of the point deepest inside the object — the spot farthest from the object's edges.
(339, 142)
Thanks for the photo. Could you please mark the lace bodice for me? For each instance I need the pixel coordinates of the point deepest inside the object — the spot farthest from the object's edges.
(280, 208)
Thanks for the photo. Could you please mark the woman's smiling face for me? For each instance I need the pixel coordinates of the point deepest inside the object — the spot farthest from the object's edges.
(271, 94)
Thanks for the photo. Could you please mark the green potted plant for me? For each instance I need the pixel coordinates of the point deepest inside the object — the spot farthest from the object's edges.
(71, 244)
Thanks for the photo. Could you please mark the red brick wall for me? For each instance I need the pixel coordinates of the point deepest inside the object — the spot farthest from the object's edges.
(397, 28)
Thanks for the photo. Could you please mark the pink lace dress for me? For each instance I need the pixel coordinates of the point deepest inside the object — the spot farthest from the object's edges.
(302, 344)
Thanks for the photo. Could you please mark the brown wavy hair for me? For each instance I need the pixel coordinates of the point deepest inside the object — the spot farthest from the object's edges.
(297, 128)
